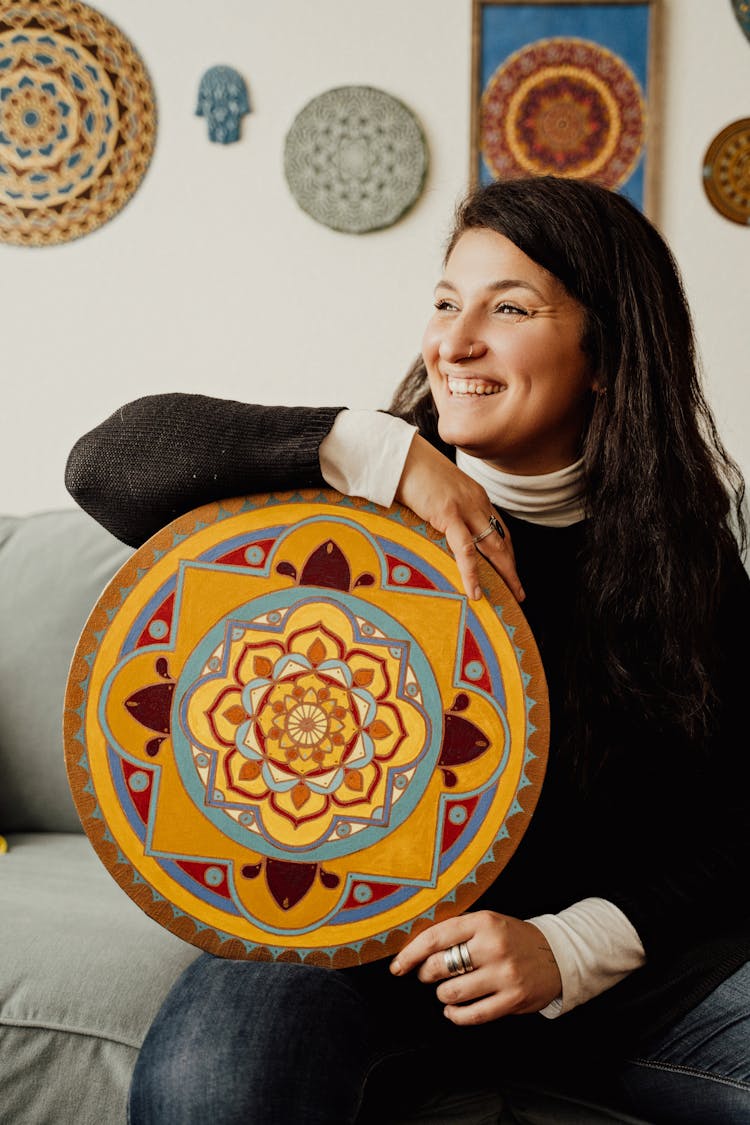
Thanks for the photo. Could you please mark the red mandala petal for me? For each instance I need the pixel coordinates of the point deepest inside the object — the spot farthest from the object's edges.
(289, 882)
(463, 741)
(152, 705)
(327, 567)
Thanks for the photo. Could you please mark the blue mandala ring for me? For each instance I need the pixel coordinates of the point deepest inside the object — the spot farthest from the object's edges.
(289, 734)
(77, 121)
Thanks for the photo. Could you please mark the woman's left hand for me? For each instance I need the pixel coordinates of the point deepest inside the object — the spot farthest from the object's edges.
(514, 970)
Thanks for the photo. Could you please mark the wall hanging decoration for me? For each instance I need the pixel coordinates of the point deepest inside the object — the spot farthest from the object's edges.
(223, 100)
(726, 171)
(77, 121)
(742, 12)
(565, 88)
(355, 159)
(289, 734)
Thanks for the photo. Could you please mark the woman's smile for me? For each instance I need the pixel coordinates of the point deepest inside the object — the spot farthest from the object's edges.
(468, 388)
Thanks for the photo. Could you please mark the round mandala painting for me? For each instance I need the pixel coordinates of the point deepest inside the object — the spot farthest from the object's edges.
(726, 171)
(355, 159)
(77, 121)
(289, 735)
(566, 107)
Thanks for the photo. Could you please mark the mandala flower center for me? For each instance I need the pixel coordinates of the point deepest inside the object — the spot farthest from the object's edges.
(307, 724)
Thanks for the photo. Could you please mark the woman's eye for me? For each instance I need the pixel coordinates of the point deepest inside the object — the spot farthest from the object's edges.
(444, 305)
(510, 310)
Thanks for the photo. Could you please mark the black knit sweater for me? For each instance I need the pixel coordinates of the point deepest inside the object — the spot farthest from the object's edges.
(662, 832)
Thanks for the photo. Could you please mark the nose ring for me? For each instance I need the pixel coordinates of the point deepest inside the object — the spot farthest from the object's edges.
(471, 351)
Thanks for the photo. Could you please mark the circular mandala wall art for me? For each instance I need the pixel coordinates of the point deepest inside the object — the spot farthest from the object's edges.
(726, 171)
(77, 121)
(566, 107)
(355, 159)
(290, 736)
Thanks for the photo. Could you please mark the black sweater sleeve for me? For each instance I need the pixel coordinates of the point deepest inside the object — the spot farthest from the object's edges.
(163, 455)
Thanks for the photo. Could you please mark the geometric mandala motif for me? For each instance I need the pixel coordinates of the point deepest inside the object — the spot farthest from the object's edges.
(355, 159)
(565, 107)
(726, 171)
(77, 121)
(289, 735)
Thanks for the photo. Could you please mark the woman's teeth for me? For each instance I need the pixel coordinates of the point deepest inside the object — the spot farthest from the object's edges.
(472, 387)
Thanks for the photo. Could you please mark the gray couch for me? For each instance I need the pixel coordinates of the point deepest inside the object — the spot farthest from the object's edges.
(82, 969)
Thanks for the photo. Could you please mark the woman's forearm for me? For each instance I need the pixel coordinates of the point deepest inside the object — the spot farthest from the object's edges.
(162, 455)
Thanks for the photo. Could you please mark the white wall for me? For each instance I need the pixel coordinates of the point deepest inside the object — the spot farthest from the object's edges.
(212, 279)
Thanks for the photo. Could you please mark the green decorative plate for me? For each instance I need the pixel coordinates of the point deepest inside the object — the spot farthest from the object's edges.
(355, 159)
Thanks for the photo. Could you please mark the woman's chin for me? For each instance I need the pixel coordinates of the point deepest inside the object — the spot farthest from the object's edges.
(466, 438)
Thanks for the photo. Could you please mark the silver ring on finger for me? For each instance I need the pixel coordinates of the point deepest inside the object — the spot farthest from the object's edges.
(463, 952)
(494, 525)
(454, 965)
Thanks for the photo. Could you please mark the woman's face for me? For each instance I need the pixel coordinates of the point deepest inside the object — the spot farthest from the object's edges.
(503, 354)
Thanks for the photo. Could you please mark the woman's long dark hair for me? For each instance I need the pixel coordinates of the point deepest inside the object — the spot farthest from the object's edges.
(664, 499)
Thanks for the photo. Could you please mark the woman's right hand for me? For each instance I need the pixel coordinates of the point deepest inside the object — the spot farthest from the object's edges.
(459, 508)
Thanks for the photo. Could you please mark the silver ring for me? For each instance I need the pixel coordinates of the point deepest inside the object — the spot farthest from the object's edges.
(463, 950)
(494, 525)
(454, 962)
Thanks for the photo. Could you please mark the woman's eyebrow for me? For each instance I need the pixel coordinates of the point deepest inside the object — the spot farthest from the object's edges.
(496, 286)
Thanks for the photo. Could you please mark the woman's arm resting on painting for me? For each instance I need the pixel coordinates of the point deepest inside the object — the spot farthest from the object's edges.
(163, 455)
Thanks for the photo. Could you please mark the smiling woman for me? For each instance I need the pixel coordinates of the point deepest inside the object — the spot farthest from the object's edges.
(504, 327)
(555, 423)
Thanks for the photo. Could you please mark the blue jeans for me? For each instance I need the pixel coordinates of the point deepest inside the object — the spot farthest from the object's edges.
(251, 1043)
(698, 1071)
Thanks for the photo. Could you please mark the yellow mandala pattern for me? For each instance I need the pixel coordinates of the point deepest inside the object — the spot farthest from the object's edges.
(288, 734)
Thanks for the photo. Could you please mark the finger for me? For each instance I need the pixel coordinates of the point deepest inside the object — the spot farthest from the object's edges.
(434, 940)
(460, 540)
(500, 555)
(465, 989)
(498, 550)
(436, 967)
(485, 1010)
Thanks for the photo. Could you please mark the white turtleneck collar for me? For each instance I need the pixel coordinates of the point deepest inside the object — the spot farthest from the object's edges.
(553, 499)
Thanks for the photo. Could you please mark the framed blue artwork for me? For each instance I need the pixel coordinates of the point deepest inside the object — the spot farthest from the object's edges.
(567, 88)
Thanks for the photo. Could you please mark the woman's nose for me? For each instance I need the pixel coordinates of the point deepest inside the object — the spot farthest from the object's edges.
(459, 343)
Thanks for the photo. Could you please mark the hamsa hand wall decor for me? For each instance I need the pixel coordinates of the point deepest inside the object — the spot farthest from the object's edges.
(223, 100)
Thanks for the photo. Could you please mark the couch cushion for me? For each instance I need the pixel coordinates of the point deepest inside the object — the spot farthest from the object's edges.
(53, 567)
(82, 973)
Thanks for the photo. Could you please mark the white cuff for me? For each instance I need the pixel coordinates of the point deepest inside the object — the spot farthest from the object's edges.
(594, 945)
(364, 454)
